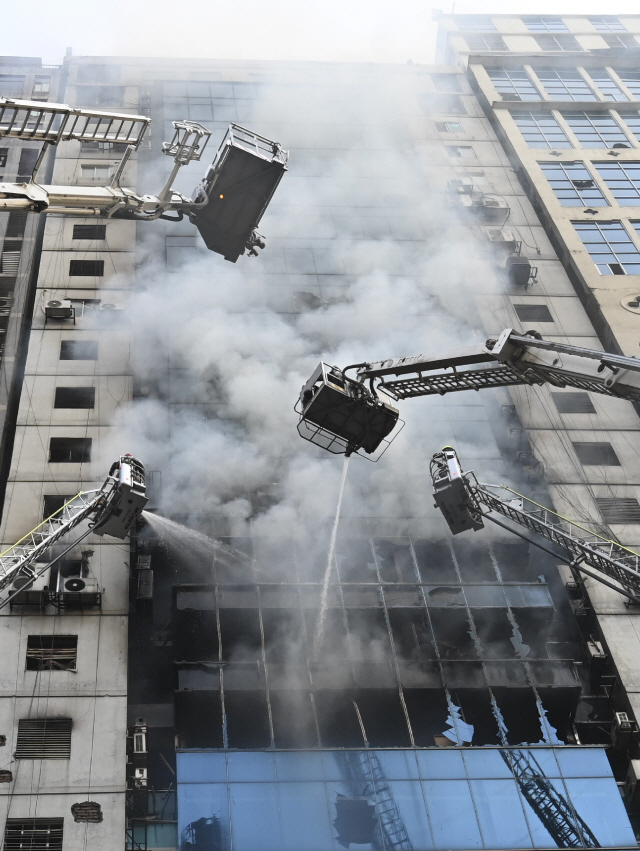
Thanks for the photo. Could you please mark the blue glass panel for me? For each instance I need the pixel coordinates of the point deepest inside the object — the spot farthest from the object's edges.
(587, 762)
(500, 812)
(255, 825)
(201, 767)
(335, 763)
(452, 814)
(546, 759)
(446, 764)
(302, 765)
(598, 802)
(249, 765)
(399, 765)
(200, 801)
(407, 798)
(305, 816)
(486, 763)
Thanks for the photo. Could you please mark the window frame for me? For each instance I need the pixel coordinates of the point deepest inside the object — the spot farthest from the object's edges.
(563, 82)
(547, 24)
(588, 118)
(602, 228)
(621, 167)
(566, 184)
(512, 81)
(606, 22)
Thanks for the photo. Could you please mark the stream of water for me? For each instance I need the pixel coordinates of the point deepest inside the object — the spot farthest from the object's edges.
(180, 537)
(317, 641)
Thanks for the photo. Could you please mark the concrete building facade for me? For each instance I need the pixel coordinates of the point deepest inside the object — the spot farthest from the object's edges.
(191, 699)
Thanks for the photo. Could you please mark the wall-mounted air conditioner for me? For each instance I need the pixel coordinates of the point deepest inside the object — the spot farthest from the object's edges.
(623, 731)
(77, 591)
(29, 593)
(59, 309)
(111, 306)
(140, 778)
(459, 186)
(503, 238)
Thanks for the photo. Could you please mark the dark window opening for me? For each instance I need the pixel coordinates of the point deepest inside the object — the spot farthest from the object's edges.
(16, 224)
(86, 268)
(75, 397)
(434, 561)
(619, 509)
(54, 502)
(89, 231)
(52, 652)
(596, 454)
(33, 834)
(79, 350)
(199, 719)
(240, 631)
(44, 738)
(195, 636)
(28, 157)
(474, 561)
(70, 450)
(293, 719)
(533, 312)
(494, 633)
(452, 630)
(247, 718)
(395, 562)
(573, 403)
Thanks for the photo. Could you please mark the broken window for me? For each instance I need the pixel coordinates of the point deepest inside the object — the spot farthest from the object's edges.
(596, 453)
(86, 268)
(52, 652)
(33, 834)
(79, 350)
(75, 397)
(573, 184)
(44, 738)
(54, 502)
(513, 84)
(70, 450)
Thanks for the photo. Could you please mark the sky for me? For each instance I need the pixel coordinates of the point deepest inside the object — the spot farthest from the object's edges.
(321, 30)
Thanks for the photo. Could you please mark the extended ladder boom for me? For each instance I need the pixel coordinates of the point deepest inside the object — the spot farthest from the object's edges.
(464, 503)
(113, 508)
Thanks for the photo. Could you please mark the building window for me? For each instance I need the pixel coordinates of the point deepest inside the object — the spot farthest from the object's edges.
(606, 23)
(565, 84)
(558, 42)
(41, 86)
(99, 95)
(513, 85)
(86, 268)
(540, 130)
(11, 85)
(28, 159)
(617, 509)
(596, 454)
(54, 502)
(75, 397)
(623, 181)
(52, 652)
(44, 738)
(33, 834)
(16, 224)
(89, 232)
(465, 151)
(447, 82)
(95, 172)
(545, 23)
(70, 450)
(481, 23)
(610, 247)
(449, 127)
(596, 129)
(573, 403)
(625, 42)
(478, 41)
(79, 350)
(573, 184)
(4, 153)
(533, 312)
(631, 79)
(606, 84)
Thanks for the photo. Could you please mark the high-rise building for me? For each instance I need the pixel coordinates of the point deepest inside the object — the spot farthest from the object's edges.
(213, 685)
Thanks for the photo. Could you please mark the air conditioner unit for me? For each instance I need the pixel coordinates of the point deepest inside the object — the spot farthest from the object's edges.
(59, 309)
(78, 591)
(631, 784)
(623, 731)
(110, 307)
(458, 186)
(140, 778)
(503, 238)
(29, 593)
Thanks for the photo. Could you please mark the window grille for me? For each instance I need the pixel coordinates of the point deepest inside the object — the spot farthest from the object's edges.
(596, 129)
(54, 502)
(52, 652)
(44, 738)
(545, 23)
(512, 84)
(480, 41)
(75, 397)
(618, 509)
(610, 247)
(565, 84)
(10, 257)
(596, 454)
(70, 450)
(623, 181)
(481, 23)
(573, 403)
(558, 42)
(609, 88)
(86, 268)
(89, 231)
(79, 350)
(626, 42)
(540, 130)
(533, 312)
(606, 23)
(573, 184)
(33, 834)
